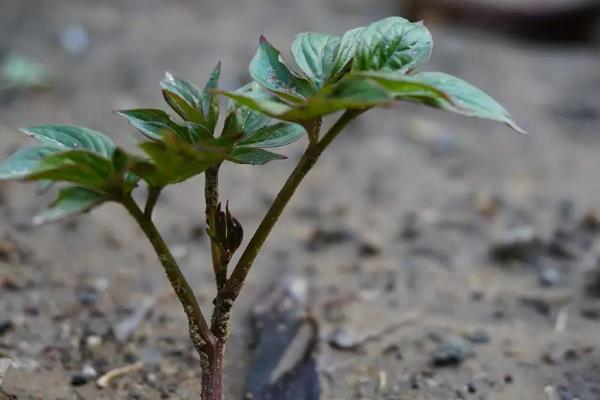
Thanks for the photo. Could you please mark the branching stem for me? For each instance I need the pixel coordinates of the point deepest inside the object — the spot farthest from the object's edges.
(234, 284)
(202, 338)
(211, 196)
(153, 194)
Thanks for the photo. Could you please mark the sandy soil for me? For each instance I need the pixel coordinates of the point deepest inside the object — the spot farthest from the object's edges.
(484, 239)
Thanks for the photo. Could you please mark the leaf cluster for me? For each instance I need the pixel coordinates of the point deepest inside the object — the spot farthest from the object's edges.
(363, 68)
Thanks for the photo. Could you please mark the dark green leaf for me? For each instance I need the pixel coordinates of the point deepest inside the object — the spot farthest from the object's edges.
(314, 54)
(392, 44)
(71, 201)
(276, 135)
(402, 86)
(77, 166)
(198, 133)
(20, 164)
(268, 69)
(251, 155)
(349, 93)
(175, 161)
(120, 161)
(184, 98)
(463, 98)
(273, 108)
(66, 137)
(345, 52)
(246, 120)
(154, 124)
(210, 100)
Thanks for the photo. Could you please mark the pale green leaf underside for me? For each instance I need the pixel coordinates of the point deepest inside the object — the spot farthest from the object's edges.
(276, 135)
(20, 164)
(465, 98)
(268, 69)
(314, 54)
(392, 44)
(71, 137)
(442, 91)
(345, 52)
(71, 201)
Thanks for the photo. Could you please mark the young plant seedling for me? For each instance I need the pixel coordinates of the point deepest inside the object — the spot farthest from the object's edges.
(366, 67)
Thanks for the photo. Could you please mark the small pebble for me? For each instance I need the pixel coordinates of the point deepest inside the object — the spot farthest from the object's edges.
(471, 388)
(137, 392)
(478, 336)
(5, 326)
(328, 233)
(341, 339)
(591, 313)
(516, 244)
(88, 297)
(79, 380)
(93, 341)
(550, 277)
(89, 372)
(451, 352)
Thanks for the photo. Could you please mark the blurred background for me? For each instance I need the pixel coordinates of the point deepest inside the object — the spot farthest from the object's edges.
(412, 209)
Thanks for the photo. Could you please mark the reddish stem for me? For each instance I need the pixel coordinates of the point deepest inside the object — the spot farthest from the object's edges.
(212, 376)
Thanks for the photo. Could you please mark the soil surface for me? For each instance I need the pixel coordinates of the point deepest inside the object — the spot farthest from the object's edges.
(446, 258)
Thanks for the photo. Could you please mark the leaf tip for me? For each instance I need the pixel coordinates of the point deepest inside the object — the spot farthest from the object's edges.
(39, 220)
(517, 128)
(25, 131)
(169, 76)
(262, 40)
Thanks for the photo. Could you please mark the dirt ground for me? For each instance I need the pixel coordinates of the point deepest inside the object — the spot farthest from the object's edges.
(449, 258)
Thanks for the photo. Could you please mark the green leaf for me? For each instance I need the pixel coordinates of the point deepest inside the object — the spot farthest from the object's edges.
(463, 98)
(314, 54)
(210, 100)
(268, 69)
(402, 86)
(349, 93)
(270, 107)
(71, 201)
(251, 155)
(154, 124)
(184, 98)
(20, 164)
(198, 133)
(120, 160)
(276, 135)
(245, 120)
(66, 137)
(175, 161)
(345, 52)
(392, 44)
(77, 166)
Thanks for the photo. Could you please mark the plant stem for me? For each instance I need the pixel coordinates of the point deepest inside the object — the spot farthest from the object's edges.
(212, 377)
(211, 196)
(202, 338)
(309, 158)
(153, 194)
